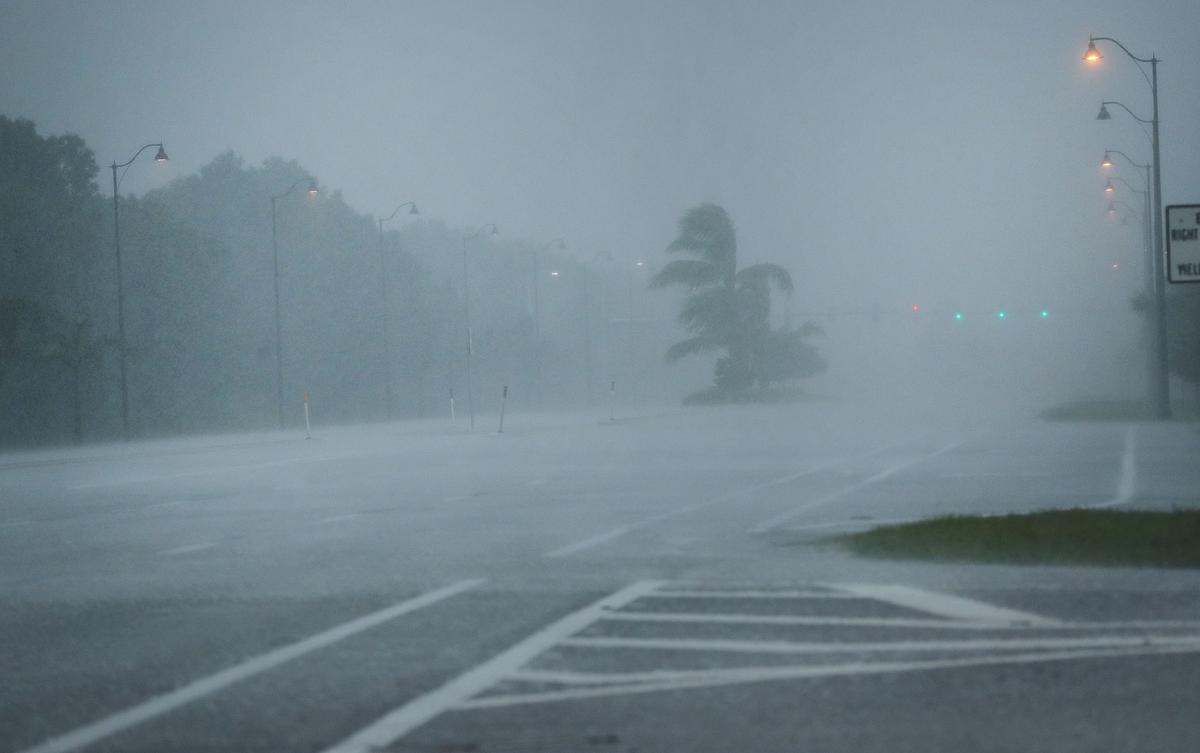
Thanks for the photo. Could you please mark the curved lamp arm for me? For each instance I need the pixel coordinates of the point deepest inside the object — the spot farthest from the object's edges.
(1092, 47)
(413, 210)
(161, 156)
(1127, 158)
(1112, 208)
(1128, 185)
(489, 228)
(1123, 107)
(312, 188)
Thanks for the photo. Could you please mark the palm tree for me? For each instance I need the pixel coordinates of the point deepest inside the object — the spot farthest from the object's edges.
(726, 308)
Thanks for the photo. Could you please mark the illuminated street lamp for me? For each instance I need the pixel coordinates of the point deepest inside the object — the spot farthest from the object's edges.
(385, 339)
(1109, 188)
(312, 193)
(1162, 394)
(1145, 215)
(489, 229)
(122, 348)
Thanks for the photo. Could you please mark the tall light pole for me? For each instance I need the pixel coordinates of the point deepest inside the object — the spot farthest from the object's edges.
(1162, 407)
(312, 192)
(122, 348)
(1150, 282)
(489, 229)
(586, 304)
(558, 244)
(385, 340)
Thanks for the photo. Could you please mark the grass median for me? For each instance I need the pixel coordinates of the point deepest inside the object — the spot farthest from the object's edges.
(1079, 536)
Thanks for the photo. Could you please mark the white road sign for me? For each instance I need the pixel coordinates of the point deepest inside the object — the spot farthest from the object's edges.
(1183, 243)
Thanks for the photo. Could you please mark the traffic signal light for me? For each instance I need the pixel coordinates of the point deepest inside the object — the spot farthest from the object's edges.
(1001, 314)
(958, 316)
(1045, 314)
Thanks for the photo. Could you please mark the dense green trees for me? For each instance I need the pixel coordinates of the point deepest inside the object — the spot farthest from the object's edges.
(728, 309)
(50, 239)
(200, 311)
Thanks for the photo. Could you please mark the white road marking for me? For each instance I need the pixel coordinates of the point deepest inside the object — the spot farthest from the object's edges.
(188, 548)
(413, 714)
(579, 546)
(775, 619)
(667, 593)
(614, 533)
(807, 647)
(17, 524)
(199, 472)
(715, 678)
(134, 715)
(852, 523)
(340, 518)
(945, 605)
(1127, 482)
(774, 522)
(888, 622)
(458, 498)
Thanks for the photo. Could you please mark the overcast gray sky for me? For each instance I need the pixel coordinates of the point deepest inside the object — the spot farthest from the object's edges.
(944, 152)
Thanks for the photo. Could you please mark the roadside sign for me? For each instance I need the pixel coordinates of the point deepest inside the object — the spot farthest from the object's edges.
(1183, 243)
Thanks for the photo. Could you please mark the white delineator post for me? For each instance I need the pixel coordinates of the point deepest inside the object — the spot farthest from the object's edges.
(307, 427)
(503, 402)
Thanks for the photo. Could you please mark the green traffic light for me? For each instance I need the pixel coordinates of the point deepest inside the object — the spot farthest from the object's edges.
(1045, 314)
(958, 316)
(1001, 314)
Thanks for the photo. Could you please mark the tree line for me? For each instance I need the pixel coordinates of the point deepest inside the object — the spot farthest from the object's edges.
(199, 308)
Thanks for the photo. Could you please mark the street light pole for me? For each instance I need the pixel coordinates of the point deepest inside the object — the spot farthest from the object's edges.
(1162, 384)
(557, 243)
(1147, 212)
(122, 348)
(490, 229)
(312, 191)
(385, 339)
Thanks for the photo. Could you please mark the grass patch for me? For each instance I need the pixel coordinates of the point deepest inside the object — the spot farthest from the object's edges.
(1098, 537)
(1100, 410)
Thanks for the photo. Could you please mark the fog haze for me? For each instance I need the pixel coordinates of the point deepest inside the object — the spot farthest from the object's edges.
(942, 154)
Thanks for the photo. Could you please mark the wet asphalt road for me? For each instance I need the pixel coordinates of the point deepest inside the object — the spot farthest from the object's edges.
(664, 582)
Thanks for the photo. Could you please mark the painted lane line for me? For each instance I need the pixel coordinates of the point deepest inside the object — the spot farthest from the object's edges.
(717, 678)
(753, 619)
(810, 648)
(205, 686)
(864, 522)
(394, 725)
(199, 472)
(774, 522)
(1127, 481)
(188, 549)
(891, 622)
(340, 518)
(614, 533)
(945, 605)
(17, 524)
(579, 546)
(667, 593)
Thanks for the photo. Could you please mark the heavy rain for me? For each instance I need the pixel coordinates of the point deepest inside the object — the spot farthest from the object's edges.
(615, 376)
